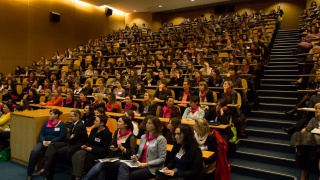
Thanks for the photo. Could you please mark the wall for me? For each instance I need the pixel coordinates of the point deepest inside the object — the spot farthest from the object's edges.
(139, 18)
(26, 32)
(291, 8)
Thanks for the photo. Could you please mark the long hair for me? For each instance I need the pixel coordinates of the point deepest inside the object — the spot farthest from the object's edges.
(189, 139)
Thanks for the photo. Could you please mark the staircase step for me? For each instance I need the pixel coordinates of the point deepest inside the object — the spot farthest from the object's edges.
(268, 76)
(281, 67)
(283, 56)
(278, 63)
(278, 81)
(268, 157)
(272, 115)
(237, 176)
(262, 170)
(276, 106)
(267, 132)
(281, 72)
(283, 51)
(269, 123)
(277, 93)
(269, 99)
(278, 46)
(289, 49)
(284, 59)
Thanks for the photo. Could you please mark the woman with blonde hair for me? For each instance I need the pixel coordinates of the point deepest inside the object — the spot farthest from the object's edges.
(47, 95)
(148, 106)
(98, 101)
(206, 140)
(112, 106)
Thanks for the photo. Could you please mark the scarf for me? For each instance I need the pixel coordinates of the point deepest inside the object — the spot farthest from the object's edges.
(167, 111)
(197, 80)
(120, 134)
(127, 107)
(193, 110)
(51, 124)
(150, 138)
(203, 96)
(214, 79)
(164, 88)
(186, 92)
(201, 140)
(45, 87)
(31, 97)
(245, 68)
(68, 101)
(228, 93)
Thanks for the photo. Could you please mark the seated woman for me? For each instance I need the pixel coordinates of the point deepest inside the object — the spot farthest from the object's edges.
(82, 101)
(128, 104)
(102, 87)
(194, 111)
(33, 97)
(206, 140)
(98, 101)
(162, 91)
(35, 85)
(140, 91)
(46, 85)
(87, 87)
(215, 79)
(68, 86)
(149, 79)
(130, 89)
(205, 94)
(177, 79)
(53, 130)
(197, 78)
(123, 145)
(130, 115)
(56, 101)
(171, 126)
(23, 106)
(119, 90)
(168, 110)
(118, 77)
(186, 161)
(77, 87)
(88, 115)
(96, 147)
(112, 105)
(69, 101)
(147, 107)
(162, 75)
(47, 96)
(55, 85)
(229, 94)
(307, 146)
(151, 154)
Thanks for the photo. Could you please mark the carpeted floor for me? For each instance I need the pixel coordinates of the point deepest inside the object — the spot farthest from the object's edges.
(14, 171)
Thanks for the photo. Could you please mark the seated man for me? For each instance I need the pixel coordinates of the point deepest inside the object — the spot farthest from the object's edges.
(58, 151)
(163, 91)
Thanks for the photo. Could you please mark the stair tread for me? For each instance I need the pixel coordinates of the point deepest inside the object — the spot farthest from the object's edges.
(279, 79)
(278, 104)
(265, 129)
(275, 97)
(278, 85)
(271, 154)
(261, 90)
(263, 166)
(237, 176)
(267, 140)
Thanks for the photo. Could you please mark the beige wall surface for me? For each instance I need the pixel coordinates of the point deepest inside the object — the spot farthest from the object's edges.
(291, 8)
(26, 32)
(139, 18)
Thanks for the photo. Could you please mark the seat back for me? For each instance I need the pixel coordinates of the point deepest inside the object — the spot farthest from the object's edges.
(239, 101)
(136, 104)
(244, 85)
(120, 106)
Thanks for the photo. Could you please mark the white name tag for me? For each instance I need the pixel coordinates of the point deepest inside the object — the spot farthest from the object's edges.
(123, 141)
(153, 144)
(97, 139)
(178, 155)
(119, 92)
(204, 148)
(57, 129)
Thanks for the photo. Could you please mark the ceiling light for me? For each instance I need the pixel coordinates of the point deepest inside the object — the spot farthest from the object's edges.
(192, 0)
(134, 10)
(160, 5)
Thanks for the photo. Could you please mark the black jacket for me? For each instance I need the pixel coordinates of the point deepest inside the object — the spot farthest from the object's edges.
(99, 142)
(79, 138)
(180, 95)
(151, 111)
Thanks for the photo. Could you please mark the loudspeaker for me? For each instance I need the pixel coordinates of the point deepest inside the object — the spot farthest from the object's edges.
(54, 17)
(108, 11)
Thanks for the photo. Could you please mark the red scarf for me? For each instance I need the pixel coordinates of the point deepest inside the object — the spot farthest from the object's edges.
(193, 110)
(197, 80)
(228, 93)
(94, 104)
(68, 101)
(30, 97)
(245, 68)
(51, 124)
(214, 79)
(45, 87)
(150, 138)
(166, 112)
(120, 134)
(164, 88)
(203, 96)
(127, 107)
(186, 92)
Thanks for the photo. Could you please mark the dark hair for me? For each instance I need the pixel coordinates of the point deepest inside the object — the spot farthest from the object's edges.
(26, 105)
(76, 113)
(175, 122)
(91, 110)
(164, 82)
(222, 101)
(56, 111)
(101, 110)
(33, 91)
(195, 99)
(103, 119)
(142, 87)
(157, 125)
(84, 93)
(189, 139)
(130, 114)
(127, 121)
(167, 98)
(142, 125)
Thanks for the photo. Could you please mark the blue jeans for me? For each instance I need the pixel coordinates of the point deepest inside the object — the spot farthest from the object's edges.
(34, 155)
(98, 170)
(126, 173)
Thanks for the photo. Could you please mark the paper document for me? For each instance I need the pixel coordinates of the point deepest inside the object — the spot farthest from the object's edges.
(315, 131)
(131, 163)
(109, 159)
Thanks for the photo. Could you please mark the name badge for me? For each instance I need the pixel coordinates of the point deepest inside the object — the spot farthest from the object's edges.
(178, 155)
(153, 144)
(147, 143)
(123, 141)
(119, 92)
(57, 129)
(97, 139)
(204, 148)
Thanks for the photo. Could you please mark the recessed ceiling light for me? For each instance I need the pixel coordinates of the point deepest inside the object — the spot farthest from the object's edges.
(160, 5)
(192, 0)
(134, 10)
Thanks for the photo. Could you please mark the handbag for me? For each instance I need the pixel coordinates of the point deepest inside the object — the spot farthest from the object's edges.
(234, 130)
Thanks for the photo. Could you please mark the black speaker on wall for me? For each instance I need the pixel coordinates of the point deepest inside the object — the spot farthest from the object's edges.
(54, 17)
(108, 11)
